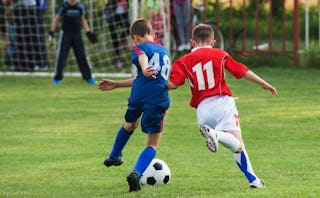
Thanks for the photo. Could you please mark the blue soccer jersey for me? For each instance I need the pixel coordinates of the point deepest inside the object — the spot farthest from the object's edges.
(149, 90)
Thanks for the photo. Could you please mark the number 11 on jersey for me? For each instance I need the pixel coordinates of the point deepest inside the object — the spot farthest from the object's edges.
(208, 70)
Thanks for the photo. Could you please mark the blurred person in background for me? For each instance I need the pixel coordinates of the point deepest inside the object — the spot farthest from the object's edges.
(156, 18)
(182, 15)
(72, 13)
(10, 54)
(29, 39)
(117, 16)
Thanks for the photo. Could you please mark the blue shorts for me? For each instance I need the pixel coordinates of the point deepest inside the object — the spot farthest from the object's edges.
(151, 116)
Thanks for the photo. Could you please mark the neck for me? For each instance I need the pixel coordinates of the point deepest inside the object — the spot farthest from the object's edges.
(146, 38)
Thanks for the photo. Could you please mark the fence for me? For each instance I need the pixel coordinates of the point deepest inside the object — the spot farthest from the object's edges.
(263, 40)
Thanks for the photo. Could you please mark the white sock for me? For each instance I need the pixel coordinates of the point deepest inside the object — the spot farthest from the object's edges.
(228, 140)
(244, 164)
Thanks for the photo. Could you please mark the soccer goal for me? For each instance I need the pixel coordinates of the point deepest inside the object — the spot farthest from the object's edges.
(25, 47)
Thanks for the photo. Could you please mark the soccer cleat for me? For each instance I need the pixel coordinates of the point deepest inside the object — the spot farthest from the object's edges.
(112, 162)
(211, 137)
(91, 81)
(134, 181)
(56, 82)
(258, 183)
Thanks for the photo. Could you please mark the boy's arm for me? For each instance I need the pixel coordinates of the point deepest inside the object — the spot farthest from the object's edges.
(85, 24)
(91, 36)
(255, 78)
(54, 23)
(53, 27)
(147, 70)
(107, 84)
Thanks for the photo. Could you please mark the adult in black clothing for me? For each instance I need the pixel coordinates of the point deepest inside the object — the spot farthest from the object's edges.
(73, 19)
(117, 16)
(29, 36)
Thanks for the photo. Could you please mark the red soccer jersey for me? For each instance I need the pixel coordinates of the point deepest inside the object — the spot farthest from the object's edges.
(205, 70)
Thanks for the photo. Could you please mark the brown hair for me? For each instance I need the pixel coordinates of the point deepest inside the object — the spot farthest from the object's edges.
(140, 27)
(202, 33)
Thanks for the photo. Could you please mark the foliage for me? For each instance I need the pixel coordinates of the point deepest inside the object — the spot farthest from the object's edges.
(265, 60)
(311, 58)
(264, 17)
(280, 30)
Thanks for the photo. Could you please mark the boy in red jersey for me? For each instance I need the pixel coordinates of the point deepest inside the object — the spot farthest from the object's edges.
(217, 114)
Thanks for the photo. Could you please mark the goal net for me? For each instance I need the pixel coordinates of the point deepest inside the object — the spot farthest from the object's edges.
(25, 46)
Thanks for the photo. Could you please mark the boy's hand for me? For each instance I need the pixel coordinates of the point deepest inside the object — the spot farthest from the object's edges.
(271, 88)
(106, 85)
(51, 38)
(92, 37)
(149, 72)
(171, 85)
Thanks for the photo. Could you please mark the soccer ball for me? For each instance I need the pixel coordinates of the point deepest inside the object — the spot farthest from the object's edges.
(157, 173)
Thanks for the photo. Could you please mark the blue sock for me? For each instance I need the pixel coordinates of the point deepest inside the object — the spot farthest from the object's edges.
(119, 143)
(144, 160)
(244, 164)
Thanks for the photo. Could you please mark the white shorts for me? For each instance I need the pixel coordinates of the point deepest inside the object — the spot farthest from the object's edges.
(219, 112)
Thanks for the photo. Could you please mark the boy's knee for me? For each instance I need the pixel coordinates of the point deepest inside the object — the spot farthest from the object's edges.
(130, 126)
(239, 150)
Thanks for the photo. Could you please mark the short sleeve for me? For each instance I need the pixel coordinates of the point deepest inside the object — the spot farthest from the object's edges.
(82, 9)
(237, 69)
(178, 73)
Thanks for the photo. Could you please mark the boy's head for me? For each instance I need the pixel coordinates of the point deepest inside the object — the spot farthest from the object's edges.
(202, 34)
(141, 28)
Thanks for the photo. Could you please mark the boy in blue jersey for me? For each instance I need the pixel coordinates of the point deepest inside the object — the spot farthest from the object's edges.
(148, 100)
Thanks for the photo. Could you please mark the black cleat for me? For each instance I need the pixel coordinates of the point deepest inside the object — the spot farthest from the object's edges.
(133, 181)
(112, 162)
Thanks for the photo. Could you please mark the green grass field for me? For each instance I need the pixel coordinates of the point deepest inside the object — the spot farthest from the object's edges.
(53, 140)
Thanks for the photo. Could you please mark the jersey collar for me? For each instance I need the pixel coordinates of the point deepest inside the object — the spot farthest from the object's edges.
(194, 49)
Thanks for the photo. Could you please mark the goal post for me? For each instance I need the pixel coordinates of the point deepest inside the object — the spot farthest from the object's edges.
(111, 56)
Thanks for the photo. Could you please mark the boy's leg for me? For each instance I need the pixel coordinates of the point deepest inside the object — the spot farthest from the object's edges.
(144, 160)
(148, 153)
(124, 133)
(120, 142)
(152, 124)
(62, 54)
(243, 162)
(214, 136)
(229, 141)
(79, 52)
(142, 163)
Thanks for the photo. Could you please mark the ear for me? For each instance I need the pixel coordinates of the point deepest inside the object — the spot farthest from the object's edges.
(212, 42)
(135, 39)
(193, 43)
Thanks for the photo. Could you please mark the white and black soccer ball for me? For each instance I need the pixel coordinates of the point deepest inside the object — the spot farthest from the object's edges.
(157, 173)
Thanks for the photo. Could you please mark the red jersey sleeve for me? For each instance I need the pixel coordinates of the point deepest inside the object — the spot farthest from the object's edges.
(235, 68)
(178, 72)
